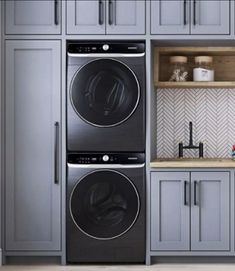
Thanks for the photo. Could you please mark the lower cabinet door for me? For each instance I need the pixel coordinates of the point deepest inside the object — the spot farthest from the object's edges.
(170, 211)
(32, 187)
(210, 211)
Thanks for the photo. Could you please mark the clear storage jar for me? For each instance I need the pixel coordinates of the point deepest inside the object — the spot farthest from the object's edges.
(203, 70)
(179, 71)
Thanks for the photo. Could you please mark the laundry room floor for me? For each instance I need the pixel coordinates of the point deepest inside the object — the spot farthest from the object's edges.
(155, 267)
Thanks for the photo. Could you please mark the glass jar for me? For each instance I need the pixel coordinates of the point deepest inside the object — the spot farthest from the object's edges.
(179, 72)
(203, 70)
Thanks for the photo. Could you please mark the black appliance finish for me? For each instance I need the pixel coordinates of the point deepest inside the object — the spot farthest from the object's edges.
(106, 96)
(105, 208)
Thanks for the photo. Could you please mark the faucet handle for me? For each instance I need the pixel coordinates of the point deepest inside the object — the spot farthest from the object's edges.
(181, 150)
(200, 150)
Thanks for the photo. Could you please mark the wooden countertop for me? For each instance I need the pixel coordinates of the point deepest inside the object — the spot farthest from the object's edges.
(193, 163)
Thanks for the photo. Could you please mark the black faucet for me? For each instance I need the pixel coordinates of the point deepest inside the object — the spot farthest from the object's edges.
(190, 146)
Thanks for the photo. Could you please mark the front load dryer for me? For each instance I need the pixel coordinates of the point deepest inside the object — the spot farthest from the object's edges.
(105, 96)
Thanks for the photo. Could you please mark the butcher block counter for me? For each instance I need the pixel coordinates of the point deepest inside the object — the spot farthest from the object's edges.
(193, 163)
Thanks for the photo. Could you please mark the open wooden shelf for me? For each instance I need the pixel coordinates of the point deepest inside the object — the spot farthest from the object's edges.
(223, 63)
(190, 84)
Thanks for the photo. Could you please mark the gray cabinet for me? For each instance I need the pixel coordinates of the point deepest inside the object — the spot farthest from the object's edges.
(169, 211)
(32, 17)
(106, 17)
(210, 211)
(172, 226)
(190, 17)
(170, 17)
(210, 17)
(85, 17)
(126, 17)
(32, 186)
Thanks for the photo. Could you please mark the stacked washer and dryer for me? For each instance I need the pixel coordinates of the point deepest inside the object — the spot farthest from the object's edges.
(105, 152)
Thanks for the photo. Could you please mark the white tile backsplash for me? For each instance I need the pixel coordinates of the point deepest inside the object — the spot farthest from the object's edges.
(212, 112)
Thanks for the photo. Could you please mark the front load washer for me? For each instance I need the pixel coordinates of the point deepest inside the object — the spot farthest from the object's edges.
(105, 96)
(105, 208)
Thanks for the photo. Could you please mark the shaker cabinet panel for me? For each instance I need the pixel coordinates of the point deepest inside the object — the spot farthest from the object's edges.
(33, 17)
(32, 160)
(169, 17)
(86, 17)
(106, 17)
(210, 211)
(190, 211)
(210, 17)
(170, 212)
(126, 17)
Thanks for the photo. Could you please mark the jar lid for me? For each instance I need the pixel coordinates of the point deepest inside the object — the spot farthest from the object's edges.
(180, 59)
(207, 59)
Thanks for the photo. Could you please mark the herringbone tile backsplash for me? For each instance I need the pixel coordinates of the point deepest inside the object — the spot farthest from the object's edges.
(212, 112)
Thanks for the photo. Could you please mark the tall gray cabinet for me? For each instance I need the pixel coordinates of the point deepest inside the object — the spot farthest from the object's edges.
(106, 17)
(33, 17)
(32, 136)
(194, 17)
(190, 211)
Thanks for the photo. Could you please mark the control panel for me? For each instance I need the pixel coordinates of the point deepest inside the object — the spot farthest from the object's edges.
(105, 47)
(106, 158)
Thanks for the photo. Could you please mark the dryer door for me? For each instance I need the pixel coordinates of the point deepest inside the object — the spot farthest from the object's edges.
(104, 204)
(104, 92)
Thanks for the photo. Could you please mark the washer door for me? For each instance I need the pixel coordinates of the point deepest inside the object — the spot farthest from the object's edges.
(104, 204)
(104, 92)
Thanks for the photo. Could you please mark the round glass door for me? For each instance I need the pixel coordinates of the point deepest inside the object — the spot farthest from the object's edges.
(104, 92)
(104, 204)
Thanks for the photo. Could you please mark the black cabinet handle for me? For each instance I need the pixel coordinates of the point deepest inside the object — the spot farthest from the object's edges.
(185, 7)
(56, 142)
(101, 12)
(185, 192)
(110, 12)
(195, 193)
(56, 12)
(194, 12)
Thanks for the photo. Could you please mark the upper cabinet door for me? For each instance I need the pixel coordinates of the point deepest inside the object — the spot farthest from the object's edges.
(86, 17)
(125, 17)
(210, 17)
(170, 211)
(33, 17)
(170, 17)
(210, 223)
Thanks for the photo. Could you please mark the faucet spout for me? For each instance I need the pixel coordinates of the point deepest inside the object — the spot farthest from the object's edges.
(190, 146)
